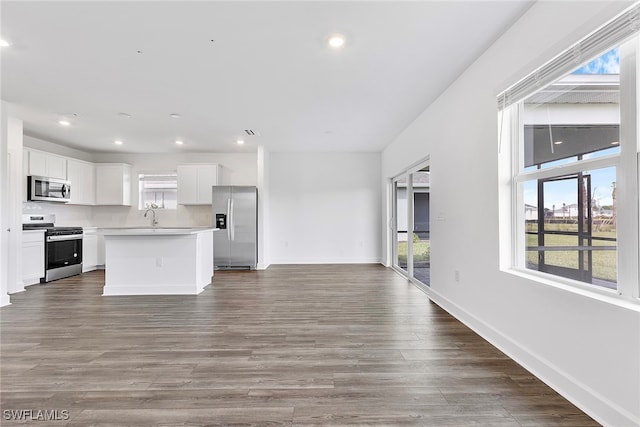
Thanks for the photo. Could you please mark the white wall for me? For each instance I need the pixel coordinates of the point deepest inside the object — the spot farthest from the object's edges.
(584, 347)
(4, 206)
(324, 208)
(263, 157)
(51, 147)
(236, 169)
(14, 197)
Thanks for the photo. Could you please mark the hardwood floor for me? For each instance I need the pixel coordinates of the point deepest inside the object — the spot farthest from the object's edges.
(293, 345)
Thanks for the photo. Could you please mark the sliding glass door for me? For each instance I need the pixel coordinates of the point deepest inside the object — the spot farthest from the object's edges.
(421, 255)
(411, 246)
(400, 223)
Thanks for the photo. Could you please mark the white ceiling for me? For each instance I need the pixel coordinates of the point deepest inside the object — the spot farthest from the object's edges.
(229, 66)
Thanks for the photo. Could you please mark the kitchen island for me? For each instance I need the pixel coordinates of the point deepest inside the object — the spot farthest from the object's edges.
(157, 261)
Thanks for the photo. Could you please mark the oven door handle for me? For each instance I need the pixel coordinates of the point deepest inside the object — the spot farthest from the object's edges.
(63, 238)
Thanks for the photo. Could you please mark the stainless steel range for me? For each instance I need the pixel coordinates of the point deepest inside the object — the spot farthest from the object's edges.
(62, 249)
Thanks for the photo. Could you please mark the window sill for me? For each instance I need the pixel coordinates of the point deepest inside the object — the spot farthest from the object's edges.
(608, 296)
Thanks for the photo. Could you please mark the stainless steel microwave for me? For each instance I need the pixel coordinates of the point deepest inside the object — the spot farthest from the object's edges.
(41, 188)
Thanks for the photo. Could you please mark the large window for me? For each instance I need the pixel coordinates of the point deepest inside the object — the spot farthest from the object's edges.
(574, 166)
(570, 221)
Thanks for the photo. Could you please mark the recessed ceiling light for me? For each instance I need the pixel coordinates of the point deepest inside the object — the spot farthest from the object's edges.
(118, 142)
(615, 143)
(558, 142)
(175, 115)
(64, 122)
(125, 115)
(4, 43)
(239, 141)
(336, 40)
(178, 142)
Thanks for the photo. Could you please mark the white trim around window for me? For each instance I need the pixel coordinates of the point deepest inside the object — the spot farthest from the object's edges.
(513, 242)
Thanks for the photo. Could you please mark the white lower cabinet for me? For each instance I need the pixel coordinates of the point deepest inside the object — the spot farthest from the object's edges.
(89, 251)
(32, 256)
(101, 256)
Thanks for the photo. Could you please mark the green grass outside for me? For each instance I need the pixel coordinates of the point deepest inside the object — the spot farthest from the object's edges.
(604, 262)
(606, 230)
(421, 253)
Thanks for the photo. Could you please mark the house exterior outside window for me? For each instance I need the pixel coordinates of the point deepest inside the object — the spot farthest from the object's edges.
(158, 190)
(570, 131)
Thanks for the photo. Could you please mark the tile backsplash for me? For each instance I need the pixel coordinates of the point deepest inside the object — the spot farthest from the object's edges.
(66, 215)
(120, 216)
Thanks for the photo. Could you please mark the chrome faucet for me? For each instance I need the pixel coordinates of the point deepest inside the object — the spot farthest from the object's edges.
(154, 221)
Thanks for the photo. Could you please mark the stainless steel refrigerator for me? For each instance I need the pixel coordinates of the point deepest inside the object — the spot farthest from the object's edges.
(235, 213)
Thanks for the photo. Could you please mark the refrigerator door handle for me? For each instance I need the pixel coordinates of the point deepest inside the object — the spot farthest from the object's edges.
(229, 219)
(232, 223)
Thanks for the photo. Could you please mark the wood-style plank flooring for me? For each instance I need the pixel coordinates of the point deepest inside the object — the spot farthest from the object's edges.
(293, 345)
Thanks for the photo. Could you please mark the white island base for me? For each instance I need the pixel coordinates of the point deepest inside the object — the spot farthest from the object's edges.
(158, 261)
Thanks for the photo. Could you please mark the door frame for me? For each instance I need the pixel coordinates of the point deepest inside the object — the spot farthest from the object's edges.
(407, 174)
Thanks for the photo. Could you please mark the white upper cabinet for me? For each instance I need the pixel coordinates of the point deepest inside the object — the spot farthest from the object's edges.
(195, 182)
(45, 164)
(82, 176)
(113, 184)
(187, 184)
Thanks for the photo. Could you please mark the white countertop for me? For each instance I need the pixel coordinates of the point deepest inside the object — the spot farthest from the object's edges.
(151, 231)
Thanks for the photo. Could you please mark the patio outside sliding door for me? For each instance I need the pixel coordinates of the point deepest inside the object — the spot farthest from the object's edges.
(410, 224)
(421, 248)
(399, 223)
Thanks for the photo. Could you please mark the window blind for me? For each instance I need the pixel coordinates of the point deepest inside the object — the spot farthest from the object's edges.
(171, 176)
(610, 34)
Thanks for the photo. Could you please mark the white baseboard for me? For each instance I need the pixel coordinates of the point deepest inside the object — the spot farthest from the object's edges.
(134, 289)
(262, 266)
(588, 400)
(4, 300)
(326, 261)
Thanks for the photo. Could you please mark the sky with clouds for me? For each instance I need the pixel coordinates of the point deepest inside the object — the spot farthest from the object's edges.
(559, 192)
(609, 63)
